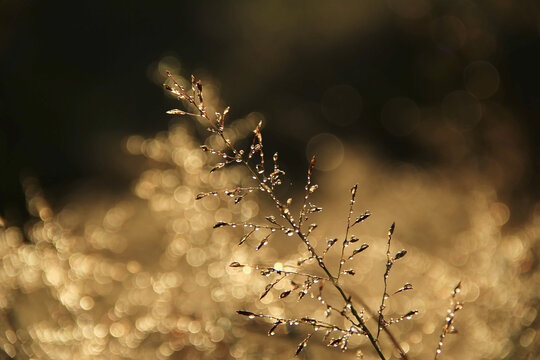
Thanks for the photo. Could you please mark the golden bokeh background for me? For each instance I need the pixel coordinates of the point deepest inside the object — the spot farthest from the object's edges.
(430, 107)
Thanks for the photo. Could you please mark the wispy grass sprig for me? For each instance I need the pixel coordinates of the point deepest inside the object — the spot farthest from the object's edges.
(390, 260)
(448, 327)
(293, 224)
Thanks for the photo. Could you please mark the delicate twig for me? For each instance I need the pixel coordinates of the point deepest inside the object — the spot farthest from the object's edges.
(309, 190)
(389, 264)
(448, 327)
(304, 320)
(282, 208)
(267, 270)
(385, 329)
(346, 240)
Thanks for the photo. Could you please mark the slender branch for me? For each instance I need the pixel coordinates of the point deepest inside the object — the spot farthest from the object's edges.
(309, 190)
(448, 327)
(284, 210)
(385, 329)
(346, 240)
(385, 296)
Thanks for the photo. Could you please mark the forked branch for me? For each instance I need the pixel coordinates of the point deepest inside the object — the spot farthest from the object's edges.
(267, 183)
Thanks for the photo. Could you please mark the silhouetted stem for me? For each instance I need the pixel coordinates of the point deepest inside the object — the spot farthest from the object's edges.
(385, 329)
(321, 264)
(334, 280)
(289, 219)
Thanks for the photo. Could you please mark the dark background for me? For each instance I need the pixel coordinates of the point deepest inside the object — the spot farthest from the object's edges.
(76, 77)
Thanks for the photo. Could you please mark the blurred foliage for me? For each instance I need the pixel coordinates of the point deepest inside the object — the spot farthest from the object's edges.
(430, 106)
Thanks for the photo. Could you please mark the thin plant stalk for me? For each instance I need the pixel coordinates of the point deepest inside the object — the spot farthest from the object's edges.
(285, 213)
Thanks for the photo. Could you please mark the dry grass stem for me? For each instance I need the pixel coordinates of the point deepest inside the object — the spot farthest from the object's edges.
(267, 182)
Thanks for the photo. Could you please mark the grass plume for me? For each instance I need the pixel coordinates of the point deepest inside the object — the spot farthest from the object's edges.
(266, 182)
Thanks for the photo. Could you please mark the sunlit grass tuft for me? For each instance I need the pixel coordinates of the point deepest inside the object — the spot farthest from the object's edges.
(159, 272)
